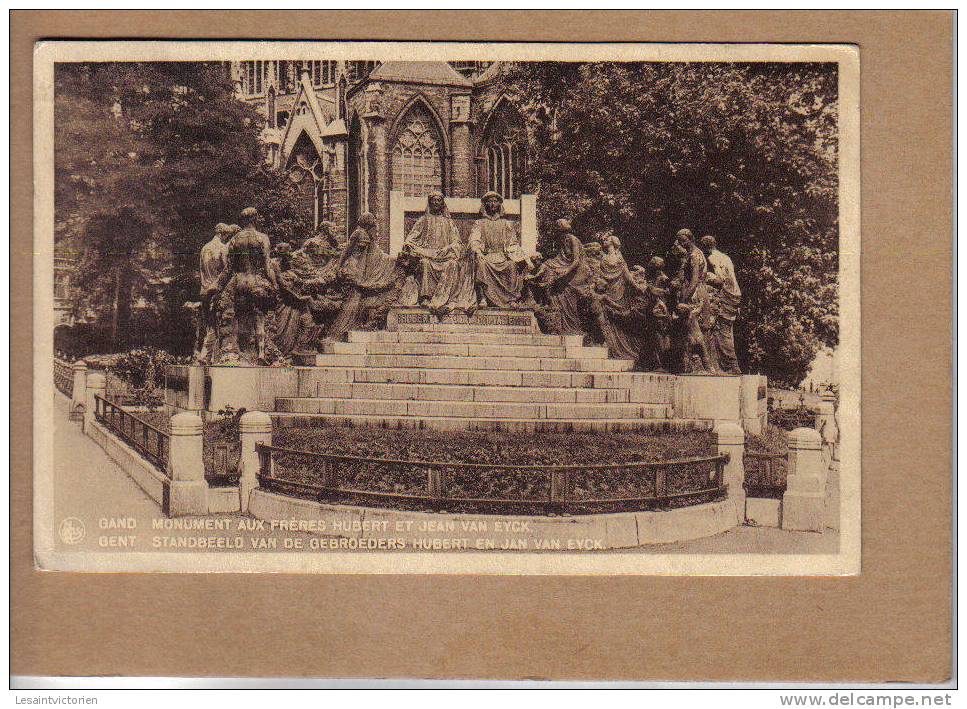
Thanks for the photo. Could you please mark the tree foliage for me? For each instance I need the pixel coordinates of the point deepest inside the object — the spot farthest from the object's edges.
(148, 158)
(745, 152)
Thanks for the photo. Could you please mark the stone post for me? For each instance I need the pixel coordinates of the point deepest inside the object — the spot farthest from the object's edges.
(188, 491)
(96, 386)
(804, 503)
(829, 430)
(730, 438)
(749, 403)
(79, 390)
(826, 423)
(256, 427)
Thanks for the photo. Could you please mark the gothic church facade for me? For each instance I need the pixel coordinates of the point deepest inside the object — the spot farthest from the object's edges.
(350, 132)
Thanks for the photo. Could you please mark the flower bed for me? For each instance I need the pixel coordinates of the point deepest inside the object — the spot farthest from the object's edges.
(514, 488)
(221, 447)
(765, 463)
(497, 448)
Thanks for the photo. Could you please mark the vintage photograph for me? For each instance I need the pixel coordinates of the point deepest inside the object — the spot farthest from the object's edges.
(452, 308)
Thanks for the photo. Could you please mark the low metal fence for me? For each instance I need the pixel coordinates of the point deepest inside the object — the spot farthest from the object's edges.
(789, 418)
(151, 442)
(64, 377)
(765, 474)
(481, 487)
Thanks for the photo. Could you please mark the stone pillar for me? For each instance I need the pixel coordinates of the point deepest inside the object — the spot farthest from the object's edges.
(730, 438)
(829, 430)
(528, 223)
(749, 404)
(377, 176)
(79, 390)
(461, 160)
(188, 491)
(397, 223)
(256, 427)
(96, 386)
(826, 423)
(804, 503)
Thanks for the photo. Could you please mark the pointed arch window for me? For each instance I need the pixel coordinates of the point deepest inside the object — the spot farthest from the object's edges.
(312, 175)
(505, 152)
(254, 76)
(417, 155)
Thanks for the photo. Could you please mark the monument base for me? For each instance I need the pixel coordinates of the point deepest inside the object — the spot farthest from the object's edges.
(618, 530)
(491, 370)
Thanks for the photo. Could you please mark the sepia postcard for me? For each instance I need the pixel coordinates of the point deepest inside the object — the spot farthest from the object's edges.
(429, 307)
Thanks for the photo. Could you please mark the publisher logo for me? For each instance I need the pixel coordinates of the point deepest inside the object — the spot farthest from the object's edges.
(72, 530)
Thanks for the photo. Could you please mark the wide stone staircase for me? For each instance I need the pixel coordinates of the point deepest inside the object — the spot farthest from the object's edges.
(494, 371)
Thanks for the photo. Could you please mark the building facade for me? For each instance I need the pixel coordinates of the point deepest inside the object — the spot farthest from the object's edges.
(350, 132)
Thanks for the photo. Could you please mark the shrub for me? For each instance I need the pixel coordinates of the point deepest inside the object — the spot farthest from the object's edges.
(142, 371)
(143, 367)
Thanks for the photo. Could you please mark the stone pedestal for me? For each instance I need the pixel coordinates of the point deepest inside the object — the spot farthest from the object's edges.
(185, 388)
(804, 503)
(730, 439)
(754, 403)
(248, 387)
(713, 398)
(256, 427)
(188, 492)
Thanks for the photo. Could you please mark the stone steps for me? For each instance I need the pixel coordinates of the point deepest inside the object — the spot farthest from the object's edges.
(642, 387)
(456, 423)
(554, 364)
(456, 392)
(470, 409)
(469, 338)
(493, 371)
(453, 349)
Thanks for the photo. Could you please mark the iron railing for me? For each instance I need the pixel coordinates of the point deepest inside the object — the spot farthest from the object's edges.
(547, 489)
(765, 474)
(152, 443)
(64, 377)
(788, 419)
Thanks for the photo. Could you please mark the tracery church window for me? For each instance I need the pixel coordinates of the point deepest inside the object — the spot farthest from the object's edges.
(359, 70)
(417, 163)
(311, 174)
(505, 152)
(254, 75)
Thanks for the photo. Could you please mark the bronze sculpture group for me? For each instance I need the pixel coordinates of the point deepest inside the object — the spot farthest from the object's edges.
(262, 305)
